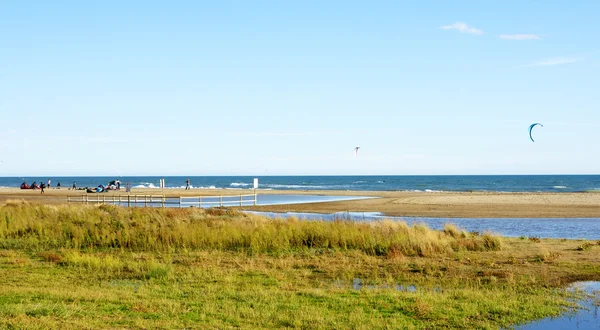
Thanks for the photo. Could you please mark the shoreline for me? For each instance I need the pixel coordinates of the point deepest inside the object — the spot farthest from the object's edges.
(392, 203)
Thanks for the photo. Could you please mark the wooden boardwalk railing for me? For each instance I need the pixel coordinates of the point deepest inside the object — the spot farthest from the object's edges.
(163, 201)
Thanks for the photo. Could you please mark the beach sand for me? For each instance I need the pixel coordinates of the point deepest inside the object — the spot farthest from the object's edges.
(396, 203)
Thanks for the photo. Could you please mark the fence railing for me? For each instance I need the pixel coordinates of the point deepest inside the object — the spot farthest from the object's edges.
(163, 201)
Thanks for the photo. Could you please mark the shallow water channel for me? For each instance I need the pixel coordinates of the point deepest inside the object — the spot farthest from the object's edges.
(570, 228)
(584, 318)
(230, 200)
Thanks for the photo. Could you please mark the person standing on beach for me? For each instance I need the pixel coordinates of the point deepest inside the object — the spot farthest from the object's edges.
(49, 183)
(74, 185)
(42, 186)
(187, 184)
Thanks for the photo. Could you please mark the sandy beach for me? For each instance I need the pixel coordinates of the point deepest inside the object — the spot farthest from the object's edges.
(396, 203)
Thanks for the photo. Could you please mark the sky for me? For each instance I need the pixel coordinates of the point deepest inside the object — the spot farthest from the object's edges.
(292, 87)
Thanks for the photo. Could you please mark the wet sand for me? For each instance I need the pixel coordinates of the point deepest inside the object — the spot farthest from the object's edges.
(394, 203)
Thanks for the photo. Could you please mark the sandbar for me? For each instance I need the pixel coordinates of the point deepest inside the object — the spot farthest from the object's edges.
(393, 203)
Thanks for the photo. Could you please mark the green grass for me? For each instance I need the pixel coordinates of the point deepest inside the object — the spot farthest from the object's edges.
(105, 267)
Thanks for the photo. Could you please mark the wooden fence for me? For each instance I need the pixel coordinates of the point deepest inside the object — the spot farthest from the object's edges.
(163, 201)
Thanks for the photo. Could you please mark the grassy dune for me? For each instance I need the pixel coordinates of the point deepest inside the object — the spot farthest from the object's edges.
(109, 267)
(171, 230)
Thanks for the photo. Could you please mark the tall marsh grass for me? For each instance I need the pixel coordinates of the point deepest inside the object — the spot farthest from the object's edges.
(45, 227)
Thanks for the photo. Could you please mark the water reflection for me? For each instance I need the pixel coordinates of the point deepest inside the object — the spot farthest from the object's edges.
(584, 318)
(358, 284)
(227, 200)
(587, 317)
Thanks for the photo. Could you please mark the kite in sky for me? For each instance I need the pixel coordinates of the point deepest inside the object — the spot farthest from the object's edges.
(356, 151)
(531, 128)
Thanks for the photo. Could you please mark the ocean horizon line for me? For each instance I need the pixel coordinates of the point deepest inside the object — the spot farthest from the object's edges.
(288, 175)
(427, 183)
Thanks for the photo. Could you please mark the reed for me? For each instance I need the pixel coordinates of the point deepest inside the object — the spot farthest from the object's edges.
(46, 227)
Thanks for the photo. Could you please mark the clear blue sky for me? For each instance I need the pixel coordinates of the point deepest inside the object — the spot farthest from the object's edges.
(291, 87)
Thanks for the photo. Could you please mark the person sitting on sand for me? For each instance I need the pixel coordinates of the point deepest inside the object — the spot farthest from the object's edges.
(58, 185)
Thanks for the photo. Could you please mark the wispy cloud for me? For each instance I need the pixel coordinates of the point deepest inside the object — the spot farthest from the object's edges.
(555, 61)
(520, 37)
(462, 28)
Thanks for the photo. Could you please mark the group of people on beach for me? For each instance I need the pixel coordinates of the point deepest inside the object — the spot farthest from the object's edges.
(112, 185)
(41, 185)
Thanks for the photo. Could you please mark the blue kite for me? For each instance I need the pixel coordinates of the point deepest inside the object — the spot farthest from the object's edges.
(531, 128)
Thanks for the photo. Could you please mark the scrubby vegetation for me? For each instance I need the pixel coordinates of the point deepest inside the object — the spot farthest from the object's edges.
(171, 230)
(109, 267)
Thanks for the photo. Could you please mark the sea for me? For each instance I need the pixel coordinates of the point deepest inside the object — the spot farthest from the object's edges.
(422, 183)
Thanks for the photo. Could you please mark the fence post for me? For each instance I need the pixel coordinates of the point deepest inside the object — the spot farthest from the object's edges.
(179, 201)
(128, 200)
(254, 199)
(200, 201)
(163, 201)
(145, 202)
(68, 199)
(221, 201)
(241, 199)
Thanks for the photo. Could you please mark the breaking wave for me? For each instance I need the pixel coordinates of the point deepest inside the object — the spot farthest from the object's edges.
(295, 186)
(146, 185)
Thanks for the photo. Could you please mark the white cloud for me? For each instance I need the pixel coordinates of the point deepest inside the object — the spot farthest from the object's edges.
(462, 28)
(520, 37)
(555, 61)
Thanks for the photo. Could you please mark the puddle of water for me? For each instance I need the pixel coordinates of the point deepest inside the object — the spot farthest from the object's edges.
(358, 284)
(570, 228)
(585, 318)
